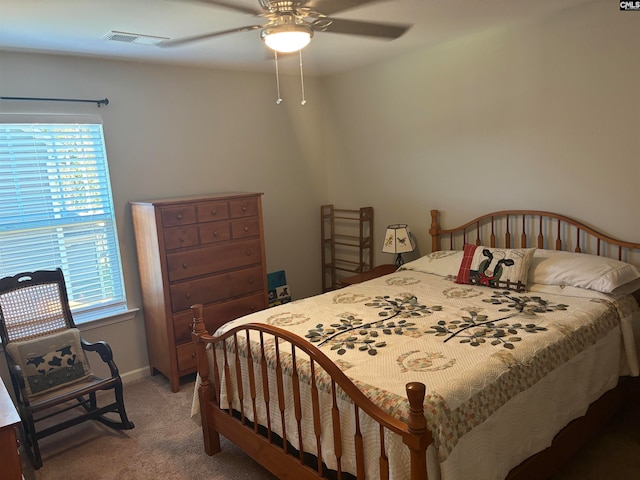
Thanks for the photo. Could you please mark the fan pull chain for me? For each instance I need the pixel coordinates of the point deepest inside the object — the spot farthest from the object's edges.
(303, 102)
(279, 100)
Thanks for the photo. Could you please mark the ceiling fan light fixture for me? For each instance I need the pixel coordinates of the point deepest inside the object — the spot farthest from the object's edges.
(287, 38)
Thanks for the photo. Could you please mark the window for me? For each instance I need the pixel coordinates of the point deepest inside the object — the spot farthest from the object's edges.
(57, 210)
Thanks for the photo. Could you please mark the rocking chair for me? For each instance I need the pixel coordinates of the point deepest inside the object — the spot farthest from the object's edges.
(47, 362)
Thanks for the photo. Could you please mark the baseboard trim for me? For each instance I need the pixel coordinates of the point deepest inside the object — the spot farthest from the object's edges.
(135, 375)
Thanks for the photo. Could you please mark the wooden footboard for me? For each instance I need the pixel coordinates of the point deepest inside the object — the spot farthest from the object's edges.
(312, 375)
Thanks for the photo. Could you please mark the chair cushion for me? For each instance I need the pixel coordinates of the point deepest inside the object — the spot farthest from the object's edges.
(51, 362)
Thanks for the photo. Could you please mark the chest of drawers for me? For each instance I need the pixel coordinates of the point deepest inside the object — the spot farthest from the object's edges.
(205, 249)
(9, 422)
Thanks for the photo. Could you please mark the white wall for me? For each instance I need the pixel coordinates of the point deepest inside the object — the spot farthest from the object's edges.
(173, 131)
(544, 117)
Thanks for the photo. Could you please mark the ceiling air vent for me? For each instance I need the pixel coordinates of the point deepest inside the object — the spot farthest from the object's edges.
(125, 37)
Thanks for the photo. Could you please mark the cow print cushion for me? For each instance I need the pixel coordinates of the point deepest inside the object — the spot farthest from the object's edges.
(505, 268)
(51, 362)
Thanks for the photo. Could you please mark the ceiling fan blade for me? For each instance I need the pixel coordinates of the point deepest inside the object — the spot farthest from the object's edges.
(329, 7)
(369, 29)
(233, 6)
(204, 36)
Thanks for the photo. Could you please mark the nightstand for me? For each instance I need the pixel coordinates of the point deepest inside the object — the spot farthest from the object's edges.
(376, 272)
(9, 422)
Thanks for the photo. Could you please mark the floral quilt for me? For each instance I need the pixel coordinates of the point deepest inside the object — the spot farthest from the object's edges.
(473, 347)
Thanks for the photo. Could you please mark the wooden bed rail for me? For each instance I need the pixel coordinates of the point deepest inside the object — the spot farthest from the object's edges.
(311, 377)
(497, 229)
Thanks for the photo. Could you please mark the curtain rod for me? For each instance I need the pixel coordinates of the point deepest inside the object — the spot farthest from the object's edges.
(104, 101)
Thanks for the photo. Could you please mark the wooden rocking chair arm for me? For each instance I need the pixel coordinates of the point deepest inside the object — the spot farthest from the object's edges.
(104, 350)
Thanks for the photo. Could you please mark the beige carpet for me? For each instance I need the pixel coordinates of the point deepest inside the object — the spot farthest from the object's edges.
(167, 445)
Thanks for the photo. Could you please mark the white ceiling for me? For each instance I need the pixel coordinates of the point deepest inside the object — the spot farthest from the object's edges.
(76, 27)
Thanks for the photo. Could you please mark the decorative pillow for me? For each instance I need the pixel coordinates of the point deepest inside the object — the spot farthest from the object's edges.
(444, 263)
(506, 268)
(51, 362)
(606, 275)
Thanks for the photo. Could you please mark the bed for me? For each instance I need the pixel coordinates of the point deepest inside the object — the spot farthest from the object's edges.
(495, 356)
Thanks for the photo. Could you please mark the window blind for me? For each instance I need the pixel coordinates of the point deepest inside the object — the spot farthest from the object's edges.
(57, 209)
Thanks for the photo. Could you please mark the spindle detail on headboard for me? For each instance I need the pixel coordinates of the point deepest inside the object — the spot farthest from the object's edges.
(499, 227)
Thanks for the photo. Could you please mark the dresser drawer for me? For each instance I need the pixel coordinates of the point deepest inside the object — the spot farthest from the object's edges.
(182, 215)
(216, 288)
(214, 232)
(249, 227)
(246, 207)
(216, 315)
(187, 360)
(203, 261)
(212, 211)
(180, 237)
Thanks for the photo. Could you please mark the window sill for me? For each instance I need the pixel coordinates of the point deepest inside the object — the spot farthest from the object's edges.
(93, 322)
(90, 322)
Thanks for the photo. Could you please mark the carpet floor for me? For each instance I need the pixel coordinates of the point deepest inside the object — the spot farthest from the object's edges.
(166, 444)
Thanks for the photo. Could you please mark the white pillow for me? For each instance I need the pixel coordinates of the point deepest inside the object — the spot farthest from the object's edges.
(632, 286)
(553, 267)
(443, 263)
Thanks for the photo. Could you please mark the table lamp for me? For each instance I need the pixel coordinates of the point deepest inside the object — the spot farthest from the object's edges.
(398, 240)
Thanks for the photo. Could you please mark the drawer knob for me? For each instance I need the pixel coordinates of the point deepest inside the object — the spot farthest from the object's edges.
(216, 234)
(182, 239)
(214, 212)
(179, 216)
(187, 295)
(244, 208)
(246, 229)
(250, 281)
(193, 355)
(185, 266)
(247, 253)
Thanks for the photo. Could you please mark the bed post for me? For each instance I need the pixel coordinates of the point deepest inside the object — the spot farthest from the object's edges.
(421, 436)
(433, 231)
(205, 391)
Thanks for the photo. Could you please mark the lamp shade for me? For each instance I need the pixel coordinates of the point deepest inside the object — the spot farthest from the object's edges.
(398, 239)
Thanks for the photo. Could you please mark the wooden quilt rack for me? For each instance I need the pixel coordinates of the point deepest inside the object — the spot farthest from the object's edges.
(347, 243)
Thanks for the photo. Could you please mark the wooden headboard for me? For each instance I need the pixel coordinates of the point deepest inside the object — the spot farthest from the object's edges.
(531, 228)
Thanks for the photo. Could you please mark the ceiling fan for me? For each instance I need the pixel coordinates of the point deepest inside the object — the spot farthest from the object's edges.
(291, 23)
